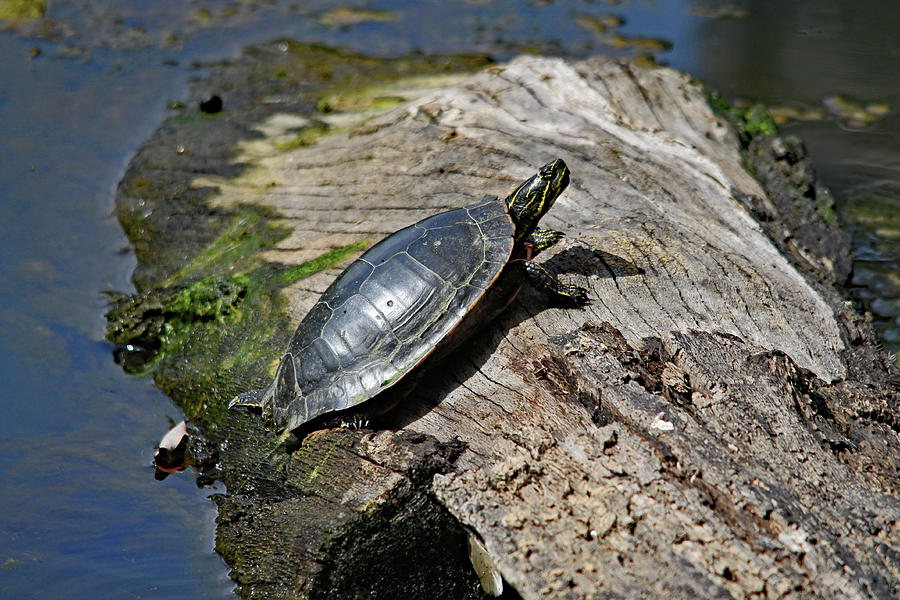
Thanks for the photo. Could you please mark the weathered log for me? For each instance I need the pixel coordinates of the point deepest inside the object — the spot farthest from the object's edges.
(714, 423)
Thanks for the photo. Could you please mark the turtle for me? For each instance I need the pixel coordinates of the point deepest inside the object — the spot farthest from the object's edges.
(416, 294)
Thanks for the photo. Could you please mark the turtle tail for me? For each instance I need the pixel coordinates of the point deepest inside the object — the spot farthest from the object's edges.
(276, 399)
(250, 399)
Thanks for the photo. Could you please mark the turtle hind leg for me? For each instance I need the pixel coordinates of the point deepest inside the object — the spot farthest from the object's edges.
(283, 398)
(562, 291)
(353, 422)
(345, 420)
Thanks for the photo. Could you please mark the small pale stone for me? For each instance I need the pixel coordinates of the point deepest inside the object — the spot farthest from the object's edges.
(661, 424)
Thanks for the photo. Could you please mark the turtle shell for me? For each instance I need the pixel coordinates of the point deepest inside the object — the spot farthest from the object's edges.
(389, 310)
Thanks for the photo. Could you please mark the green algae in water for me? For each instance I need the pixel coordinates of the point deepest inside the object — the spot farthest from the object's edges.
(347, 17)
(21, 10)
(642, 43)
(599, 25)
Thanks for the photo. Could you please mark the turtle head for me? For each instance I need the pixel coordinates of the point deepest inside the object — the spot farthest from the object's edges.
(534, 196)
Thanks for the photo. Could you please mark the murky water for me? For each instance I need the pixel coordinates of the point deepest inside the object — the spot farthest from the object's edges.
(80, 513)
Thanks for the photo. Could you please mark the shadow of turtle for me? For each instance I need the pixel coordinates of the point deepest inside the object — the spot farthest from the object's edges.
(586, 261)
(435, 380)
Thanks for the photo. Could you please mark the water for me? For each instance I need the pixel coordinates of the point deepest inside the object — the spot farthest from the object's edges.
(80, 513)
(805, 52)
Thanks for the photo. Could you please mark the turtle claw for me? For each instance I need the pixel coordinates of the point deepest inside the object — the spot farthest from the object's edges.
(577, 295)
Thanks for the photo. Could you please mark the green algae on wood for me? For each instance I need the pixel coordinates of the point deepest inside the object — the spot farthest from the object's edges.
(149, 325)
(363, 99)
(321, 262)
(237, 246)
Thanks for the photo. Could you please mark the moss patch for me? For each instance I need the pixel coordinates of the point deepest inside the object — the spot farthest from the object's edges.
(323, 261)
(237, 246)
(147, 326)
(306, 136)
(749, 120)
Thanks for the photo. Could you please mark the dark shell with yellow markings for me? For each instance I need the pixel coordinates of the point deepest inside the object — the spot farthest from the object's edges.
(390, 309)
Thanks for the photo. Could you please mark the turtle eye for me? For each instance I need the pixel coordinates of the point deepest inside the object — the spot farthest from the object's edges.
(549, 170)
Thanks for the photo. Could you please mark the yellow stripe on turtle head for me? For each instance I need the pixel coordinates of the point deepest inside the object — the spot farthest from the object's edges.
(534, 196)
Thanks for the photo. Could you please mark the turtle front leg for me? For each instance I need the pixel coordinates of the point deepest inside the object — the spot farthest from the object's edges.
(541, 239)
(564, 291)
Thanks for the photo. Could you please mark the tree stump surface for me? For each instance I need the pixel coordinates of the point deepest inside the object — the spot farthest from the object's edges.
(714, 423)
